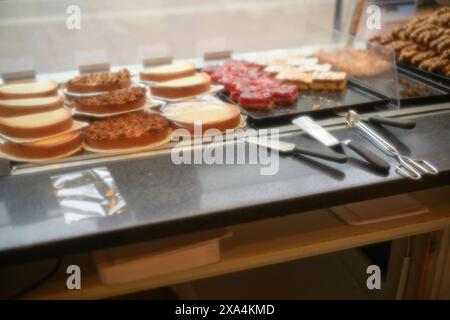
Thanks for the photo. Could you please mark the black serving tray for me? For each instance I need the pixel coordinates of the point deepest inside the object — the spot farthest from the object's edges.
(436, 77)
(436, 92)
(433, 92)
(355, 96)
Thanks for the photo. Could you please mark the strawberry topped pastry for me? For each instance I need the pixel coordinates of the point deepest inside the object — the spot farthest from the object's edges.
(252, 87)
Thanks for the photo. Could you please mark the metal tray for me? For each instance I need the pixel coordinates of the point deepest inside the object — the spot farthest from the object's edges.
(436, 92)
(432, 92)
(355, 96)
(436, 77)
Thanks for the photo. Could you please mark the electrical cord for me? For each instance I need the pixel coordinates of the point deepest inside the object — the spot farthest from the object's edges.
(39, 282)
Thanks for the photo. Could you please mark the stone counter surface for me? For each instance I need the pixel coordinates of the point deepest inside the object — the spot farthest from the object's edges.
(164, 199)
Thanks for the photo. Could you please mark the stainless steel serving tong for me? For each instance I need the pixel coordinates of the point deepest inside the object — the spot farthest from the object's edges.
(407, 167)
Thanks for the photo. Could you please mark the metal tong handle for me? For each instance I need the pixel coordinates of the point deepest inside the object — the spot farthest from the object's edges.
(378, 140)
(407, 167)
(422, 165)
(413, 165)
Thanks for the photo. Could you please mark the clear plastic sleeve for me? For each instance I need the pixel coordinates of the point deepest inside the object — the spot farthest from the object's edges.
(88, 194)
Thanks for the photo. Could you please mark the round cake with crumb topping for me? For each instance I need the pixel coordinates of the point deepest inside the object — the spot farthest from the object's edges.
(100, 82)
(114, 101)
(135, 129)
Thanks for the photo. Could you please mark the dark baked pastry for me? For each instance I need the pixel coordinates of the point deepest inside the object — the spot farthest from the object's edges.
(444, 45)
(114, 101)
(426, 64)
(446, 54)
(439, 65)
(406, 55)
(100, 82)
(434, 44)
(422, 56)
(131, 130)
(430, 34)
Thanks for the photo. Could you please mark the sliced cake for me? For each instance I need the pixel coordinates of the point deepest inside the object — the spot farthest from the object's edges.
(329, 81)
(37, 125)
(167, 72)
(302, 80)
(210, 115)
(19, 107)
(54, 147)
(183, 87)
(28, 90)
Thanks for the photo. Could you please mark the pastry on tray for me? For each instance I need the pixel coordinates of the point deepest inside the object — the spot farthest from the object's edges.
(100, 82)
(359, 63)
(167, 72)
(182, 87)
(37, 125)
(210, 115)
(135, 129)
(252, 87)
(111, 102)
(28, 89)
(302, 80)
(423, 42)
(23, 106)
(52, 148)
(261, 100)
(329, 81)
(284, 94)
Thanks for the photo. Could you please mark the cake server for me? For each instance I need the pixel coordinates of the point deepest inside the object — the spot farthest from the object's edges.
(290, 148)
(316, 131)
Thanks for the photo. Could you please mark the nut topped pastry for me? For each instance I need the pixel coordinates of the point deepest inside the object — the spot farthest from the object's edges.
(114, 101)
(135, 129)
(428, 41)
(100, 82)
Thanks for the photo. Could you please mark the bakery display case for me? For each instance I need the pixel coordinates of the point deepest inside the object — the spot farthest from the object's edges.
(146, 133)
(128, 107)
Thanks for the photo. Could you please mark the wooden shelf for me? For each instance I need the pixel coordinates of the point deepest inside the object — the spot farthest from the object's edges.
(264, 243)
